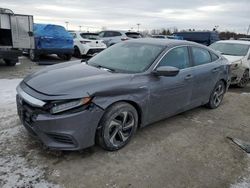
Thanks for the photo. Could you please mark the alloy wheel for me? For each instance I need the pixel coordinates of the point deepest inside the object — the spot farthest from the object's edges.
(244, 80)
(120, 128)
(218, 94)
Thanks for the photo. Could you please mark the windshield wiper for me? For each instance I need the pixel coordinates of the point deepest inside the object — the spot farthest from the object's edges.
(102, 67)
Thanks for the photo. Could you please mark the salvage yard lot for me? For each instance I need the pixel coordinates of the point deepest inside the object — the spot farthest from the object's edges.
(188, 150)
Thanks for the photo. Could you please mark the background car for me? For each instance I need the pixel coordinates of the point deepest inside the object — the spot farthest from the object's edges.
(201, 37)
(112, 37)
(87, 43)
(245, 39)
(167, 37)
(238, 54)
(130, 84)
(51, 39)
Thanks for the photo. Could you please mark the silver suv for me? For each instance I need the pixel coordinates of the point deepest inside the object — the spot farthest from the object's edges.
(112, 37)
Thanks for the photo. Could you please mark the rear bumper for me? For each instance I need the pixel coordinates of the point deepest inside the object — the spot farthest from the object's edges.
(10, 54)
(54, 51)
(74, 131)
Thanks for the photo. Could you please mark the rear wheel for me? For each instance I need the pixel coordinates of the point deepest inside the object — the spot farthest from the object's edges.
(33, 55)
(65, 57)
(9, 62)
(244, 80)
(77, 52)
(217, 95)
(118, 125)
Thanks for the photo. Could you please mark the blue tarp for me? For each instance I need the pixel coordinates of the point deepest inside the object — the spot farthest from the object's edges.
(48, 36)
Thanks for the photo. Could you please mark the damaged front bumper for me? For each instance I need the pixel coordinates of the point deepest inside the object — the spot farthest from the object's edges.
(237, 72)
(67, 131)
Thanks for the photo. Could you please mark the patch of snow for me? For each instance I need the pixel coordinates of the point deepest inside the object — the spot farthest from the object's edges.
(16, 172)
(8, 91)
(244, 93)
(245, 181)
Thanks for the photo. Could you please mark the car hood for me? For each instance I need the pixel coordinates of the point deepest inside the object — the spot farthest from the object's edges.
(233, 59)
(74, 80)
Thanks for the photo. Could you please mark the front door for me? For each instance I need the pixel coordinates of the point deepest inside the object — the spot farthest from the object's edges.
(170, 95)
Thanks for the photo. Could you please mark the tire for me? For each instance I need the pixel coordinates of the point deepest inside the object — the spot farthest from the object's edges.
(9, 62)
(118, 125)
(65, 57)
(33, 55)
(77, 52)
(217, 95)
(244, 80)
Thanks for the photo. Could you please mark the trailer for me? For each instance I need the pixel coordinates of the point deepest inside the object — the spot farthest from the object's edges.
(16, 34)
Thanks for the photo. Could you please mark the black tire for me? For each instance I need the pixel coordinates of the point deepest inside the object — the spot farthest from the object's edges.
(117, 126)
(9, 62)
(217, 95)
(65, 57)
(244, 80)
(77, 52)
(33, 55)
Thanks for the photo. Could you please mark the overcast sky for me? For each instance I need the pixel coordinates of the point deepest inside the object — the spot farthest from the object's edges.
(233, 15)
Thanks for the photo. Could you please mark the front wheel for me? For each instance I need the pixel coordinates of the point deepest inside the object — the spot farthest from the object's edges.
(118, 125)
(217, 95)
(9, 62)
(244, 80)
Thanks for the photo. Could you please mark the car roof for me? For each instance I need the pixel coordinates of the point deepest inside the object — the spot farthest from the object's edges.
(121, 31)
(234, 42)
(164, 42)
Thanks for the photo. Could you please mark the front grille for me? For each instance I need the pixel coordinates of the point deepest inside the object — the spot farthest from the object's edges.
(26, 112)
(61, 138)
(93, 51)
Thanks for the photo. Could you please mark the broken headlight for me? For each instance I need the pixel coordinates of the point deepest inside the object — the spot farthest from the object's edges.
(61, 107)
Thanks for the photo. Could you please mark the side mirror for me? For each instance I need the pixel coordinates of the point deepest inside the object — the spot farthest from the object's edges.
(166, 71)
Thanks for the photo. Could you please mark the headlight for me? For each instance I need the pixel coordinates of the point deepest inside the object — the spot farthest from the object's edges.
(57, 108)
(236, 64)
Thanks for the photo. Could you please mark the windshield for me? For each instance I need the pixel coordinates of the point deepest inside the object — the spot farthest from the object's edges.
(91, 36)
(127, 57)
(231, 48)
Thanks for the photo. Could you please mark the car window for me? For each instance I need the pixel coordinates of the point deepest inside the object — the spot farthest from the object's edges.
(101, 34)
(200, 56)
(112, 34)
(177, 57)
(214, 56)
(73, 35)
(127, 57)
(231, 48)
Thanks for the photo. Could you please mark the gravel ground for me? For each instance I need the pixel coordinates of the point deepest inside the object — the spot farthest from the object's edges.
(188, 150)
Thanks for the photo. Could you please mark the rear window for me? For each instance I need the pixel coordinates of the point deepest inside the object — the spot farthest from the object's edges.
(133, 35)
(90, 36)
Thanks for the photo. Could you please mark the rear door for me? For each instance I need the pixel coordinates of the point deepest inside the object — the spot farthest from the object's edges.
(22, 31)
(207, 70)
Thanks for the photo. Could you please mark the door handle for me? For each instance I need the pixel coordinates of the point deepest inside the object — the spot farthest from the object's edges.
(215, 70)
(188, 77)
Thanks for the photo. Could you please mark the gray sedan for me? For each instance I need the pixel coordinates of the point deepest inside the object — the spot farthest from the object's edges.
(74, 105)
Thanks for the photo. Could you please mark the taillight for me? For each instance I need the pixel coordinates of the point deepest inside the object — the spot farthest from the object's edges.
(123, 39)
(84, 42)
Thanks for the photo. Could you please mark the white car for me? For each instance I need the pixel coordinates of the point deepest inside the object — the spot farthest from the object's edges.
(87, 44)
(238, 54)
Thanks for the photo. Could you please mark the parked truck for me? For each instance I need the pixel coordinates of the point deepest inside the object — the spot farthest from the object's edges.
(16, 34)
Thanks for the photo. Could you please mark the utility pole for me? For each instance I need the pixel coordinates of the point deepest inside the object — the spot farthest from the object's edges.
(248, 29)
(138, 26)
(67, 25)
